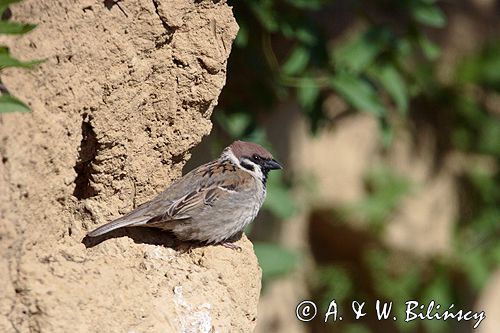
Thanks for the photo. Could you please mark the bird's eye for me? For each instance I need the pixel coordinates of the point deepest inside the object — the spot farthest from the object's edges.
(256, 157)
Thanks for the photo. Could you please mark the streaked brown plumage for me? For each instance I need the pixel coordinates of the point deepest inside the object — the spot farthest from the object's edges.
(213, 202)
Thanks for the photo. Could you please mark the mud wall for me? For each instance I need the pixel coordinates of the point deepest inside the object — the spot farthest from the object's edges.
(126, 90)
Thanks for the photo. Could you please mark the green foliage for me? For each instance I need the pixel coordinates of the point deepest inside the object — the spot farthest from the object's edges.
(388, 69)
(274, 260)
(4, 4)
(296, 62)
(278, 199)
(476, 240)
(15, 28)
(430, 49)
(476, 251)
(438, 290)
(358, 92)
(426, 12)
(6, 60)
(336, 284)
(393, 82)
(397, 285)
(386, 190)
(236, 125)
(9, 103)
(360, 53)
(373, 63)
(308, 92)
(357, 328)
(477, 269)
(482, 68)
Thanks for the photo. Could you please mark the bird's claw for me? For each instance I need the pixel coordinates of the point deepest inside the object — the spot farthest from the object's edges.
(231, 246)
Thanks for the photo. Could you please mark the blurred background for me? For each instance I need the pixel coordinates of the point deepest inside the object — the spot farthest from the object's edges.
(386, 115)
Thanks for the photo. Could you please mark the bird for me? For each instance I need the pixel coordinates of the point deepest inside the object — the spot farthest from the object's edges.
(213, 203)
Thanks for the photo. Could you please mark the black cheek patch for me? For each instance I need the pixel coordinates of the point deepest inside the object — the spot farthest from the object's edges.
(247, 166)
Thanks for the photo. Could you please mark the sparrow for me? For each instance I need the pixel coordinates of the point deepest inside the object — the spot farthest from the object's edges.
(211, 204)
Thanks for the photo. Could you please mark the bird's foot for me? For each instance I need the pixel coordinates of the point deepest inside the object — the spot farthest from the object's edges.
(231, 246)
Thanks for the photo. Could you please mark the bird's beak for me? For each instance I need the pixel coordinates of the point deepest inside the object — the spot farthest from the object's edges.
(272, 165)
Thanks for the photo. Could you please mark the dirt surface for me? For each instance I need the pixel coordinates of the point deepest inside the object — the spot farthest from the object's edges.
(127, 89)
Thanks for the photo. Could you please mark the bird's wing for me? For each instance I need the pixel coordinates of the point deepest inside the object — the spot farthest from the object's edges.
(214, 183)
(202, 176)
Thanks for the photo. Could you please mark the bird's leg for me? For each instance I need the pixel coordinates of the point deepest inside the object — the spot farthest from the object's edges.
(231, 246)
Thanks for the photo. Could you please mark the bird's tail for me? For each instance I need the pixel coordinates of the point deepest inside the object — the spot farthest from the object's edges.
(124, 221)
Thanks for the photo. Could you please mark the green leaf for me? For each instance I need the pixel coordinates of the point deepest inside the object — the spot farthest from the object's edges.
(274, 260)
(306, 35)
(296, 62)
(403, 48)
(15, 28)
(257, 135)
(242, 36)
(438, 291)
(7, 61)
(395, 86)
(356, 328)
(482, 68)
(489, 138)
(358, 92)
(278, 198)
(264, 12)
(307, 92)
(306, 4)
(430, 49)
(475, 266)
(486, 222)
(6, 3)
(398, 287)
(235, 124)
(360, 53)
(9, 103)
(462, 138)
(336, 282)
(387, 189)
(495, 255)
(386, 131)
(429, 14)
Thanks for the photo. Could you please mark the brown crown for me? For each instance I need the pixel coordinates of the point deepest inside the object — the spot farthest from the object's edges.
(243, 148)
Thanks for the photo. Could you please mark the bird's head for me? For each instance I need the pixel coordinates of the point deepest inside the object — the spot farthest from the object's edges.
(252, 158)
